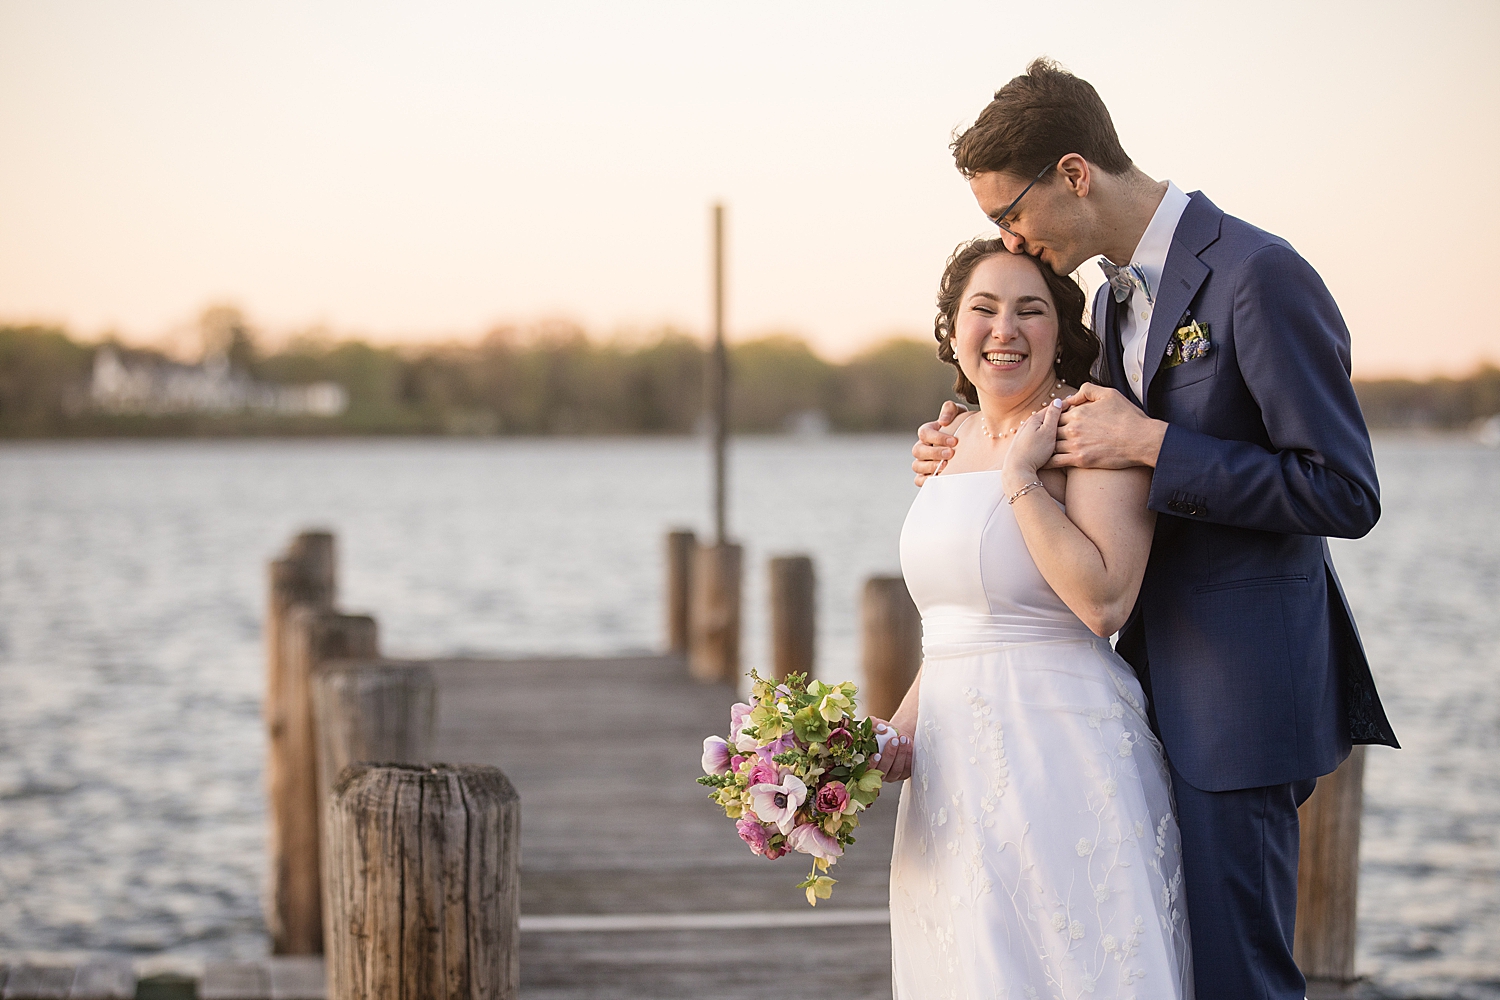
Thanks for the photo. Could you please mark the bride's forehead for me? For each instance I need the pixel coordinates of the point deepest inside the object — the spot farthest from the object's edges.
(1007, 275)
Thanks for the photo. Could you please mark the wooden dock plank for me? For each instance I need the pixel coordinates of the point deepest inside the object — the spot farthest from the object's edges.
(38, 982)
(235, 981)
(104, 980)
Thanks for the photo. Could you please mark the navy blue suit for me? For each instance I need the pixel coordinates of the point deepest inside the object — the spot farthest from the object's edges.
(1242, 637)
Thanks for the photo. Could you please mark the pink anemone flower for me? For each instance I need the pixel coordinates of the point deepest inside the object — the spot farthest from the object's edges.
(778, 804)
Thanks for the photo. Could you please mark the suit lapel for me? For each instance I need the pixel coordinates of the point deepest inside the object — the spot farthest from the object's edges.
(1181, 278)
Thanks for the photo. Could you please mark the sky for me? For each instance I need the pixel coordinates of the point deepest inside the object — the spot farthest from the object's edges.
(406, 171)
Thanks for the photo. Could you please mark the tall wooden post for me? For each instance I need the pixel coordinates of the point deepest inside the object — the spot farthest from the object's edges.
(310, 636)
(424, 884)
(304, 576)
(680, 545)
(381, 711)
(714, 654)
(793, 615)
(1328, 873)
(720, 382)
(892, 644)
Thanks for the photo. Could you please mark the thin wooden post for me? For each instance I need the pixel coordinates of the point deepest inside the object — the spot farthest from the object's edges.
(1328, 873)
(892, 644)
(719, 398)
(377, 711)
(680, 545)
(424, 884)
(793, 615)
(714, 654)
(310, 636)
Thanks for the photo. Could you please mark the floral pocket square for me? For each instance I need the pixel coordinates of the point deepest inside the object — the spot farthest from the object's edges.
(1189, 343)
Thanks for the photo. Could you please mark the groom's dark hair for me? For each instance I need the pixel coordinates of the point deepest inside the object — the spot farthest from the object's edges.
(1037, 119)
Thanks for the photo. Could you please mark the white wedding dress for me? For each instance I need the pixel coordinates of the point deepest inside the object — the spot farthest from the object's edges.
(1036, 852)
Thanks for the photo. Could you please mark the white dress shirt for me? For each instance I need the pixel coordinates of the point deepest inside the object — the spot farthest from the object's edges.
(1151, 255)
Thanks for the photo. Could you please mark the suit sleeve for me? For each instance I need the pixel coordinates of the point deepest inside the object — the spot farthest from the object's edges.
(1317, 474)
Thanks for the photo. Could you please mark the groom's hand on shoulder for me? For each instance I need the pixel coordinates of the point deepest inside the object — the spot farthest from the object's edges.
(934, 444)
(1101, 429)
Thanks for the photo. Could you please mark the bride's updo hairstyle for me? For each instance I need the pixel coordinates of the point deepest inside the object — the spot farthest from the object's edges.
(1077, 344)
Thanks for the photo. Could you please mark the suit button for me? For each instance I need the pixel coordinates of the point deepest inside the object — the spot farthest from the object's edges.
(1177, 506)
(1199, 510)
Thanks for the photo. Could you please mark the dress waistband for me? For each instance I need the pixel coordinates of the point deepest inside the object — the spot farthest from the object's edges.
(953, 633)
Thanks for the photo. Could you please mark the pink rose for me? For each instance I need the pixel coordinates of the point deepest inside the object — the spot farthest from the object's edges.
(756, 836)
(765, 774)
(832, 798)
(809, 838)
(735, 762)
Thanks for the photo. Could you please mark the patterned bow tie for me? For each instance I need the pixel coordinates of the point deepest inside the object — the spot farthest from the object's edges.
(1124, 280)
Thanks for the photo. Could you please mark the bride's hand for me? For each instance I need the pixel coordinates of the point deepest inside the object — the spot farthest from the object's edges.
(894, 760)
(1032, 447)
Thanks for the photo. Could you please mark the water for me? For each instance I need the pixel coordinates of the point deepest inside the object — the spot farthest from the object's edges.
(131, 594)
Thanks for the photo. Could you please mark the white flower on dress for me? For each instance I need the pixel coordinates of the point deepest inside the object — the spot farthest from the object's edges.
(1059, 921)
(1084, 847)
(1126, 747)
(1101, 893)
(1110, 944)
(1111, 787)
(1075, 930)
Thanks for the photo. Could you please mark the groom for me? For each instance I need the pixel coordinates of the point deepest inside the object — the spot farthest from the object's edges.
(1230, 364)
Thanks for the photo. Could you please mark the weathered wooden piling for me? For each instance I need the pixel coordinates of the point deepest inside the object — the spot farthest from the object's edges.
(891, 644)
(310, 636)
(680, 545)
(424, 884)
(1328, 873)
(714, 653)
(376, 711)
(305, 574)
(793, 615)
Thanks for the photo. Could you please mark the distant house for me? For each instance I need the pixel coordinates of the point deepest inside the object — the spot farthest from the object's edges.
(156, 386)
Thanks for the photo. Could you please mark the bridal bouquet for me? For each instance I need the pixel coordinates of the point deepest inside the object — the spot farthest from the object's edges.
(795, 772)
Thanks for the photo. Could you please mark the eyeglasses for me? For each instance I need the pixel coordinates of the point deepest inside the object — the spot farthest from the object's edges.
(1000, 219)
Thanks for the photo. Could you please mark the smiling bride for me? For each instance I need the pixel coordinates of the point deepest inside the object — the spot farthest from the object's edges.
(1036, 851)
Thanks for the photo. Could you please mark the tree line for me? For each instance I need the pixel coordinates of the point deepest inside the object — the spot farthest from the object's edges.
(556, 380)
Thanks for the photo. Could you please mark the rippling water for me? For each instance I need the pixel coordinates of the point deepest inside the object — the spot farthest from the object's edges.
(131, 579)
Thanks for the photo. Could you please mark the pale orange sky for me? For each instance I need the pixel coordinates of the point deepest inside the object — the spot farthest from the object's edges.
(429, 170)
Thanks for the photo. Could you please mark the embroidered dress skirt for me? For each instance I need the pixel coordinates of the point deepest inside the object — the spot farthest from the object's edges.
(1036, 853)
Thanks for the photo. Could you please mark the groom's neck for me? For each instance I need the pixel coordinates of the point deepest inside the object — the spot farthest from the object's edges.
(1126, 204)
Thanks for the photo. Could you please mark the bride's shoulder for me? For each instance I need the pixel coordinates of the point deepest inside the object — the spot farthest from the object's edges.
(960, 421)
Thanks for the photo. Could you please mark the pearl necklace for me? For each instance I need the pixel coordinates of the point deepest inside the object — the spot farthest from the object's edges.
(984, 424)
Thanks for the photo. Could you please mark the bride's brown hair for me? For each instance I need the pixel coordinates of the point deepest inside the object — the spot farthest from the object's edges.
(1078, 347)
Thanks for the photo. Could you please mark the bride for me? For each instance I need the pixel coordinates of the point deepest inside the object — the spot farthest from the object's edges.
(1036, 851)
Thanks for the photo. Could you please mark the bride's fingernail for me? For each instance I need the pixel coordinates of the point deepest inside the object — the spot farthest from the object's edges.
(875, 758)
(1057, 404)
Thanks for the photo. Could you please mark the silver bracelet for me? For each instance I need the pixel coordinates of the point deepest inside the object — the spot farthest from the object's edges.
(1035, 484)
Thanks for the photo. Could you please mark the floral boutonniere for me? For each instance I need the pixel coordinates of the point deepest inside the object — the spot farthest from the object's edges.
(1189, 343)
